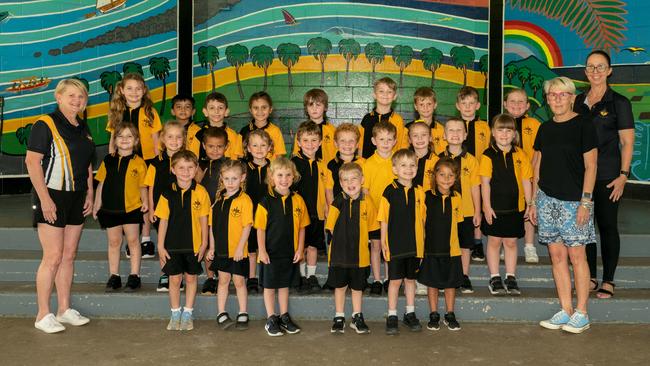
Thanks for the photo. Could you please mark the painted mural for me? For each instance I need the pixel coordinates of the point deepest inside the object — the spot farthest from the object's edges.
(552, 38)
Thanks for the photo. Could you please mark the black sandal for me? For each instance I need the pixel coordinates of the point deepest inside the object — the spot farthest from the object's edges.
(604, 293)
(242, 321)
(594, 285)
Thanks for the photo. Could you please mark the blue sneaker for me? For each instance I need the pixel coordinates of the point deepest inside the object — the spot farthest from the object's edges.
(558, 320)
(175, 321)
(186, 321)
(578, 323)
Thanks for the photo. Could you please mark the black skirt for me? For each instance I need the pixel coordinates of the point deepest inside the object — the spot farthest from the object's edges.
(280, 273)
(506, 225)
(441, 272)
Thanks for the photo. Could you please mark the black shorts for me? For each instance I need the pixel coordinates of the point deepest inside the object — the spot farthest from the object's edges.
(111, 219)
(280, 273)
(374, 234)
(441, 272)
(252, 241)
(69, 208)
(355, 278)
(506, 225)
(466, 233)
(180, 263)
(315, 234)
(403, 268)
(228, 265)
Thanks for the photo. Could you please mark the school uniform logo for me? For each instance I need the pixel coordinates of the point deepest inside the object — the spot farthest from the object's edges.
(436, 140)
(604, 113)
(481, 136)
(528, 131)
(196, 205)
(456, 211)
(297, 212)
(147, 122)
(465, 171)
(518, 162)
(321, 176)
(134, 173)
(429, 172)
(327, 138)
(363, 215)
(236, 212)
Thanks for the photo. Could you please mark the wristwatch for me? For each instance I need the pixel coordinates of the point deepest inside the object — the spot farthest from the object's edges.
(626, 173)
(587, 196)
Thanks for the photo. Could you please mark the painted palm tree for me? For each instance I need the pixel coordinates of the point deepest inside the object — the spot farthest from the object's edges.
(463, 58)
(350, 50)
(431, 59)
(510, 71)
(483, 66)
(402, 55)
(375, 54)
(208, 57)
(87, 85)
(320, 47)
(108, 80)
(262, 57)
(523, 74)
(289, 54)
(159, 68)
(535, 82)
(132, 68)
(237, 55)
(22, 134)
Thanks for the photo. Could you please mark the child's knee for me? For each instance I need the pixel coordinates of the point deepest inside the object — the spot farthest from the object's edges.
(175, 280)
(191, 279)
(239, 281)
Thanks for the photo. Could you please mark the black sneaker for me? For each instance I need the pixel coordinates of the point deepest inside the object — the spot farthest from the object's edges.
(182, 288)
(253, 285)
(127, 252)
(303, 285)
(496, 286)
(434, 321)
(386, 283)
(209, 286)
(376, 288)
(511, 286)
(224, 322)
(338, 327)
(272, 326)
(451, 322)
(242, 321)
(359, 325)
(133, 283)
(466, 286)
(148, 249)
(163, 284)
(114, 283)
(392, 325)
(288, 325)
(313, 284)
(477, 253)
(412, 322)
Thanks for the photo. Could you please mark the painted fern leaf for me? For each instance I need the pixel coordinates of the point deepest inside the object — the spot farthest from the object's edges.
(600, 23)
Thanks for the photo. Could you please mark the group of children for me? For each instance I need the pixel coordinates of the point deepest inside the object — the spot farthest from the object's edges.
(419, 196)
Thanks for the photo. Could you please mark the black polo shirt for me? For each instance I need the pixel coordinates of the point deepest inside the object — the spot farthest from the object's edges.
(504, 180)
(612, 114)
(228, 218)
(122, 178)
(422, 169)
(281, 217)
(334, 166)
(369, 121)
(401, 208)
(211, 177)
(159, 175)
(311, 184)
(256, 186)
(444, 212)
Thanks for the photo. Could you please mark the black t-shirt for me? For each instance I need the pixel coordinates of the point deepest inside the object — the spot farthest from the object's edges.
(562, 145)
(612, 114)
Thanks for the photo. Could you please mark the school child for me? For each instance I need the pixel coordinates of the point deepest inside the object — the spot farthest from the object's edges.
(120, 200)
(346, 140)
(160, 177)
(469, 189)
(230, 223)
(350, 217)
(384, 92)
(215, 143)
(478, 139)
(425, 103)
(505, 173)
(260, 106)
(516, 104)
(258, 145)
(315, 103)
(216, 110)
(441, 266)
(378, 174)
(280, 220)
(401, 216)
(131, 102)
(183, 210)
(419, 135)
(183, 111)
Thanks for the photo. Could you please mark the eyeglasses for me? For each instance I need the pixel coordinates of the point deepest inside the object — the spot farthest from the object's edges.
(596, 68)
(561, 95)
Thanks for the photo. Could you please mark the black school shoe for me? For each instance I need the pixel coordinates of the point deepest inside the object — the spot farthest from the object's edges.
(434, 321)
(392, 323)
(148, 249)
(386, 283)
(359, 325)
(209, 286)
(224, 322)
(511, 286)
(303, 286)
(313, 284)
(466, 286)
(477, 253)
(496, 286)
(451, 322)
(163, 284)
(376, 288)
(272, 326)
(288, 325)
(242, 321)
(412, 322)
(253, 285)
(133, 283)
(338, 327)
(114, 283)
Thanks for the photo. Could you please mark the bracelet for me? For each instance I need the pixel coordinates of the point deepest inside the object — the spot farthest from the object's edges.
(587, 204)
(531, 203)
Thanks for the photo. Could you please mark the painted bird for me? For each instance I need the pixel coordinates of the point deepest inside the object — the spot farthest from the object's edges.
(635, 50)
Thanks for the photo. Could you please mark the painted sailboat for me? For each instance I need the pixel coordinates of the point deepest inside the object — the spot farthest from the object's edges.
(4, 15)
(105, 6)
(30, 84)
(288, 18)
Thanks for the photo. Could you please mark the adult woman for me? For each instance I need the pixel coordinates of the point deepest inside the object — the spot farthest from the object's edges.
(611, 114)
(59, 156)
(563, 181)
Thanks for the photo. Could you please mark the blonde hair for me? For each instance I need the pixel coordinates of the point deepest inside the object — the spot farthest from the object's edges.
(186, 155)
(385, 80)
(347, 127)
(118, 101)
(561, 82)
(230, 164)
(169, 125)
(261, 134)
(403, 154)
(75, 83)
(350, 167)
(505, 120)
(281, 162)
(415, 125)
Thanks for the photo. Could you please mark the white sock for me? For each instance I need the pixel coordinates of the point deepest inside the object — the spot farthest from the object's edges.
(392, 312)
(339, 315)
(530, 244)
(510, 274)
(354, 314)
(410, 309)
(303, 267)
(188, 310)
(311, 271)
(174, 310)
(146, 238)
(494, 275)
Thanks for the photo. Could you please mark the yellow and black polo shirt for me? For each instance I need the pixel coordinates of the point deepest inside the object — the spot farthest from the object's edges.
(123, 176)
(311, 184)
(437, 135)
(327, 149)
(281, 217)
(228, 218)
(527, 128)
(159, 175)
(183, 208)
(146, 127)
(424, 176)
(367, 148)
(234, 150)
(443, 214)
(273, 131)
(256, 186)
(468, 170)
(193, 143)
(349, 220)
(478, 137)
(402, 209)
(377, 175)
(507, 171)
(332, 172)
(210, 179)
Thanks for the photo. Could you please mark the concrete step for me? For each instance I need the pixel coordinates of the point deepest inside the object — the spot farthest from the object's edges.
(629, 306)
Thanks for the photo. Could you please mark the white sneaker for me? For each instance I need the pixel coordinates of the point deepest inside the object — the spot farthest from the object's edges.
(531, 254)
(72, 317)
(502, 255)
(420, 289)
(49, 324)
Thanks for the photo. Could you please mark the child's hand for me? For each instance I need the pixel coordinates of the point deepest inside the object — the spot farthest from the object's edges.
(152, 217)
(201, 253)
(384, 252)
(95, 210)
(209, 255)
(297, 257)
(263, 257)
(489, 215)
(476, 220)
(163, 255)
(145, 207)
(239, 254)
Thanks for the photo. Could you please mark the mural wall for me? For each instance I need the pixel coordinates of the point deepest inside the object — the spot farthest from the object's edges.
(543, 40)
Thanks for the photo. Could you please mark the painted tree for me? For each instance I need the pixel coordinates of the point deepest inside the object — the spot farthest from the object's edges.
(87, 85)
(236, 55)
(402, 56)
(262, 57)
(431, 59)
(350, 50)
(289, 54)
(463, 58)
(108, 80)
(483, 66)
(159, 68)
(375, 54)
(535, 82)
(523, 74)
(320, 47)
(22, 134)
(208, 57)
(132, 68)
(511, 71)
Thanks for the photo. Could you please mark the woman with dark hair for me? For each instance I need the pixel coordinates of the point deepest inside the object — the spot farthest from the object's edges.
(612, 116)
